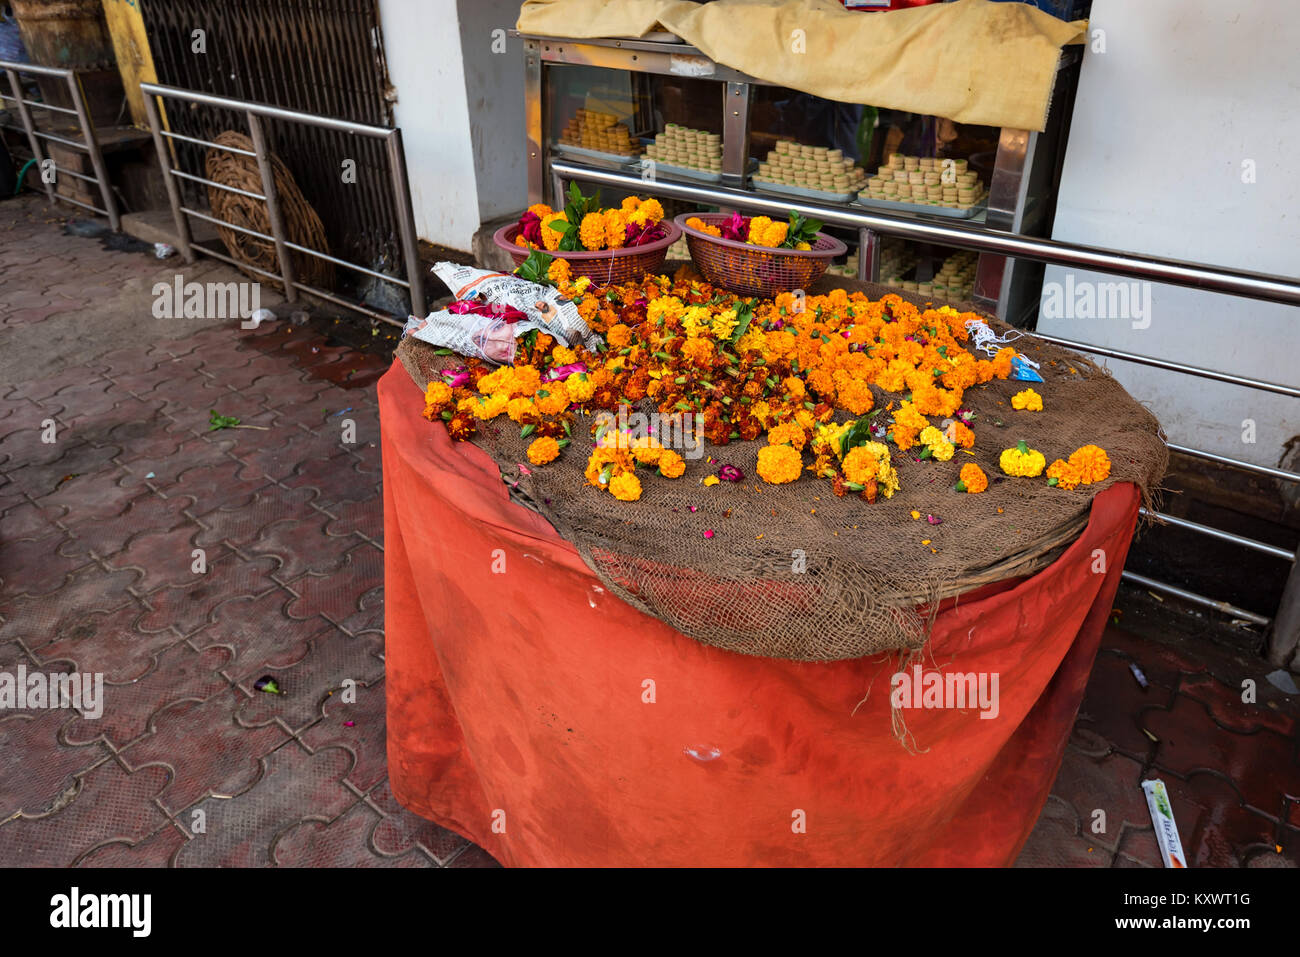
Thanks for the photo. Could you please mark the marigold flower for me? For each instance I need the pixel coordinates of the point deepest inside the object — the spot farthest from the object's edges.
(962, 435)
(580, 386)
(779, 464)
(615, 228)
(558, 271)
(1092, 462)
(652, 208)
(626, 487)
(1027, 400)
(540, 210)
(973, 479)
(1022, 461)
(671, 465)
(696, 223)
(592, 231)
(553, 399)
(787, 433)
(940, 447)
(543, 450)
(551, 237)
(619, 336)
(1065, 474)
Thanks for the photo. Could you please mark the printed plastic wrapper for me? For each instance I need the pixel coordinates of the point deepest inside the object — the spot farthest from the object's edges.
(483, 337)
(1162, 816)
(557, 317)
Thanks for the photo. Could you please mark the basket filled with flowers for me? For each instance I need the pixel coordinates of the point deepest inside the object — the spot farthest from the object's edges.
(758, 256)
(611, 245)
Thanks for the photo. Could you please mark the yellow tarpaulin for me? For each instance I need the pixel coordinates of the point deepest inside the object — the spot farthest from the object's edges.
(973, 61)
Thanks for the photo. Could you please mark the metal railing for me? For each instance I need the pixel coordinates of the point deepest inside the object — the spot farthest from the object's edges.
(88, 143)
(253, 114)
(1203, 276)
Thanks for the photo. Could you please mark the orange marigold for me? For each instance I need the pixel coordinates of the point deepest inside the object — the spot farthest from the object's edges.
(973, 479)
(551, 237)
(543, 450)
(1092, 462)
(615, 228)
(962, 435)
(778, 464)
(625, 487)
(558, 271)
(671, 465)
(696, 223)
(592, 231)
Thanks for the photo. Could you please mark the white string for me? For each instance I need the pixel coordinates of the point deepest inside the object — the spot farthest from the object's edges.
(989, 342)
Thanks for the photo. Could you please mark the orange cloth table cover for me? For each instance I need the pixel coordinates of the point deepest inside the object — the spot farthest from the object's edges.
(520, 714)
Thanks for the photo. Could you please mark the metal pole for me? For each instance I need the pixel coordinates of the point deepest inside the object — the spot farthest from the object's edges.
(1194, 598)
(1250, 285)
(272, 204)
(405, 219)
(868, 256)
(30, 127)
(183, 238)
(533, 145)
(736, 100)
(92, 146)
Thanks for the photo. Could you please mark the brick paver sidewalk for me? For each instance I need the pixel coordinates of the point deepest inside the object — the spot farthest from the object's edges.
(191, 765)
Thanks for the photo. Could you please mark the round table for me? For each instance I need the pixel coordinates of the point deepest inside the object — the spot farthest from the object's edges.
(555, 725)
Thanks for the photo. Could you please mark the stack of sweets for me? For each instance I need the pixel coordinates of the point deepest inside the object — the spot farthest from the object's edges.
(954, 280)
(810, 167)
(593, 130)
(926, 181)
(691, 149)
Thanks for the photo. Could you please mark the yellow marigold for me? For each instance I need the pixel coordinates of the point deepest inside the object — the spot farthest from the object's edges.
(490, 406)
(592, 231)
(580, 386)
(558, 271)
(540, 210)
(778, 464)
(550, 237)
(758, 229)
(563, 356)
(774, 235)
(630, 203)
(1022, 461)
(543, 450)
(671, 465)
(626, 487)
(724, 323)
(973, 479)
(804, 247)
(794, 387)
(1028, 401)
(940, 447)
(653, 209)
(664, 308)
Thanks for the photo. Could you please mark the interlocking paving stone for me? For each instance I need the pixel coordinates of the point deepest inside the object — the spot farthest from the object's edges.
(241, 831)
(89, 592)
(223, 761)
(106, 804)
(358, 727)
(338, 594)
(344, 843)
(188, 607)
(400, 830)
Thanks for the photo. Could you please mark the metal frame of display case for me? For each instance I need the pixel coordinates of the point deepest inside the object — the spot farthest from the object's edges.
(1019, 160)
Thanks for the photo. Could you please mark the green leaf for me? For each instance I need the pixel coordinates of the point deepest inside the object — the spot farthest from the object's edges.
(216, 421)
(744, 316)
(858, 434)
(535, 268)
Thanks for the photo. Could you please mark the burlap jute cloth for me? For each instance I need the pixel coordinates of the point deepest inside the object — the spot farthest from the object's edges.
(791, 571)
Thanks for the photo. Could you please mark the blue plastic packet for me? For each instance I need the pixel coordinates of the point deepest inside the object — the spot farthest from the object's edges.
(1023, 371)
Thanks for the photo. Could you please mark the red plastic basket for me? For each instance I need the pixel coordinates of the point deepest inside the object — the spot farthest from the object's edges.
(603, 266)
(756, 270)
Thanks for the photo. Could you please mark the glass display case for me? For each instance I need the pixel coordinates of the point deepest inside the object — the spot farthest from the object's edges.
(655, 116)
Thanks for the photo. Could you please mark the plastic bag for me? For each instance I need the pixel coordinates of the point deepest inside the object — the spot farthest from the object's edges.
(560, 320)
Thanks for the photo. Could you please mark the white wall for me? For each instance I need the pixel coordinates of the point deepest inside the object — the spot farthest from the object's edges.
(460, 108)
(1187, 91)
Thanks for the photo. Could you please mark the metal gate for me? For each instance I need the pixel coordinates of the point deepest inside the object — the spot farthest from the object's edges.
(322, 57)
